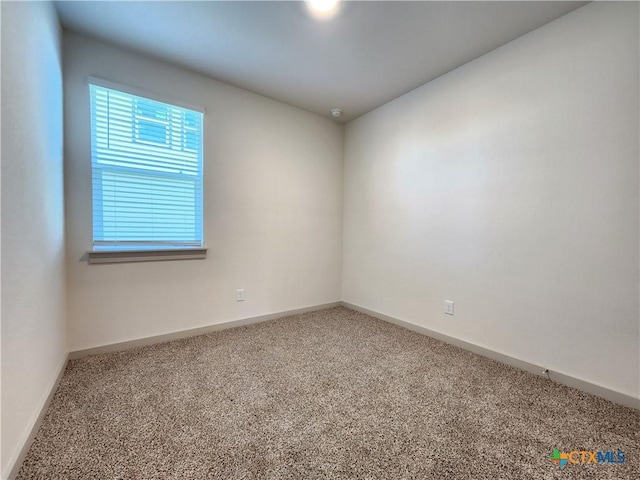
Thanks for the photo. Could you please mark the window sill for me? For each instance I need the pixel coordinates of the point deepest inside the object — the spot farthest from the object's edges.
(129, 256)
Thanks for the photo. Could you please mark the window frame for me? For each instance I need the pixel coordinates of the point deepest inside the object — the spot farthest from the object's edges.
(153, 251)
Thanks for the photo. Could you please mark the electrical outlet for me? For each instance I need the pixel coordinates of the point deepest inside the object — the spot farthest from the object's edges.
(448, 307)
(240, 295)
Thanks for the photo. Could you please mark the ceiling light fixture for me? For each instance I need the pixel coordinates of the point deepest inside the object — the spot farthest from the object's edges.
(336, 112)
(323, 8)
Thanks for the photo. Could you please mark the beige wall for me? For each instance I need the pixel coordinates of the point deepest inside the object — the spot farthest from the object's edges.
(510, 186)
(33, 268)
(273, 208)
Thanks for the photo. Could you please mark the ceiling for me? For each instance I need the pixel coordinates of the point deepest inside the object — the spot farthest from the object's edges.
(366, 55)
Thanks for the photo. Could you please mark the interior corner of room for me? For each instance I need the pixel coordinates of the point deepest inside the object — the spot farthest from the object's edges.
(508, 185)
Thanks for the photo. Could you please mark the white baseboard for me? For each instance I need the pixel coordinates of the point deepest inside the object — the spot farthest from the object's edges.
(17, 463)
(577, 383)
(192, 332)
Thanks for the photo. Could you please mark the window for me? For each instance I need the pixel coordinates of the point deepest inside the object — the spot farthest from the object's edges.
(146, 160)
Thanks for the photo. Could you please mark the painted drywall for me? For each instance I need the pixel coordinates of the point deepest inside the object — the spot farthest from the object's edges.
(34, 343)
(510, 186)
(273, 208)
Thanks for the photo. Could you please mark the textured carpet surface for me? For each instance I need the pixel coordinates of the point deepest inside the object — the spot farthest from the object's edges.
(329, 394)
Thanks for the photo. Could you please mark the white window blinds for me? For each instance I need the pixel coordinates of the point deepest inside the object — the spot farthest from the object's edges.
(146, 159)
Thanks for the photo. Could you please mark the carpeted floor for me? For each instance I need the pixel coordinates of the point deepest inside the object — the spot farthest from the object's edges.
(333, 394)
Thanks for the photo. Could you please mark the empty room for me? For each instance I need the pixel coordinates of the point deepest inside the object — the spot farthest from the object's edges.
(320, 240)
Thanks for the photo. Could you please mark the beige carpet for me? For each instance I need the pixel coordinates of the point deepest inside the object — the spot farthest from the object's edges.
(330, 394)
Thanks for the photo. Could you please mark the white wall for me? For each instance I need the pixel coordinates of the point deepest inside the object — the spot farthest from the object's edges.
(273, 208)
(510, 186)
(33, 267)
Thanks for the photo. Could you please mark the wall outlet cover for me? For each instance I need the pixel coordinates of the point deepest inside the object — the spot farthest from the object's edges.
(448, 307)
